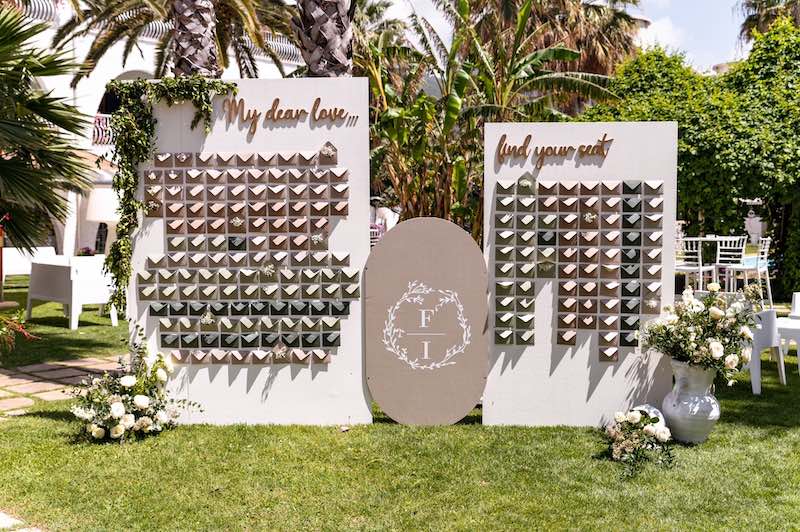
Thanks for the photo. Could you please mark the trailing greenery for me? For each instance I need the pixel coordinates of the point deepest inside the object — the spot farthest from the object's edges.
(133, 126)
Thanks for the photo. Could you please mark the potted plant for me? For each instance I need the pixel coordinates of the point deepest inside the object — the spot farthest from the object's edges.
(704, 338)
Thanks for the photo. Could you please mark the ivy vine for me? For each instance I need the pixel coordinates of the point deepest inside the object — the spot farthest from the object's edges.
(133, 127)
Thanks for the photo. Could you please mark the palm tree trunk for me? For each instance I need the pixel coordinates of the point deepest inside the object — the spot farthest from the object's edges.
(324, 30)
(195, 45)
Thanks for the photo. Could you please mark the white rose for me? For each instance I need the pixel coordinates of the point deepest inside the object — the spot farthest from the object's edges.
(634, 416)
(161, 417)
(144, 423)
(746, 333)
(141, 401)
(117, 431)
(161, 375)
(731, 361)
(117, 410)
(127, 381)
(128, 421)
(619, 417)
(650, 429)
(747, 354)
(717, 350)
(98, 433)
(716, 313)
(713, 287)
(663, 434)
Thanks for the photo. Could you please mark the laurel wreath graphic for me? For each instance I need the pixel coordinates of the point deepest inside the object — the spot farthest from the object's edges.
(415, 294)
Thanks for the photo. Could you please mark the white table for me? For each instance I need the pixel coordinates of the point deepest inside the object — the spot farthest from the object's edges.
(73, 282)
(788, 330)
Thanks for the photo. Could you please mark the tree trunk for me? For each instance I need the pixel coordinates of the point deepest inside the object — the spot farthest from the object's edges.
(194, 40)
(326, 36)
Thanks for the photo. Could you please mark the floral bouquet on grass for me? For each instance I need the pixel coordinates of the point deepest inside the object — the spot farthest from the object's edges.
(712, 332)
(636, 438)
(133, 403)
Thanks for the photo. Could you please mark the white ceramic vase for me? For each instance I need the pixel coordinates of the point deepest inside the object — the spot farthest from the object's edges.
(690, 409)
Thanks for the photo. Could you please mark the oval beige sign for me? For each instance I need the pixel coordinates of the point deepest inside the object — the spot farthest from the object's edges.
(426, 344)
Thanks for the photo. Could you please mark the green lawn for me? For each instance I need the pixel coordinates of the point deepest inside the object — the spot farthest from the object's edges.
(387, 476)
(94, 337)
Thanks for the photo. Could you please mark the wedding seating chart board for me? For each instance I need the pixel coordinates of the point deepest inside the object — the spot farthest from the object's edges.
(574, 230)
(248, 261)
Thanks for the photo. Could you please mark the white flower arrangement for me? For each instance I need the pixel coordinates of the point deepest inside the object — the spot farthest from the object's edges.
(135, 403)
(636, 438)
(712, 332)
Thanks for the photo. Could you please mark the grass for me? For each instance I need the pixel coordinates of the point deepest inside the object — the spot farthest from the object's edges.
(94, 337)
(387, 476)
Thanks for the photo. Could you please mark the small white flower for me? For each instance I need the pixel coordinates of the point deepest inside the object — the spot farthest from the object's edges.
(716, 313)
(117, 431)
(117, 410)
(127, 381)
(207, 318)
(747, 354)
(161, 375)
(95, 382)
(619, 417)
(634, 416)
(650, 429)
(169, 365)
(237, 222)
(731, 361)
(663, 434)
(161, 417)
(128, 421)
(141, 401)
(97, 432)
(317, 238)
(731, 382)
(589, 217)
(143, 424)
(713, 287)
(716, 348)
(746, 333)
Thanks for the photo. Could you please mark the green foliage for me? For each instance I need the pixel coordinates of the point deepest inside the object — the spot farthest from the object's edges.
(712, 135)
(38, 160)
(133, 125)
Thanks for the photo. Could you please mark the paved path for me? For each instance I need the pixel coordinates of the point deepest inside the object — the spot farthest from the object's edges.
(23, 386)
(8, 522)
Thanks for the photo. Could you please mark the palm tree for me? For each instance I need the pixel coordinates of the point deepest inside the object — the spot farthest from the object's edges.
(760, 14)
(603, 32)
(201, 32)
(38, 161)
(325, 32)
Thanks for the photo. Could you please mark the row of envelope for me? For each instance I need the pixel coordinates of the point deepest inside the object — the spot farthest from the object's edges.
(582, 288)
(325, 155)
(280, 213)
(586, 305)
(239, 309)
(582, 238)
(249, 276)
(595, 255)
(248, 325)
(260, 292)
(256, 339)
(528, 222)
(252, 356)
(611, 322)
(526, 186)
(292, 176)
(549, 270)
(275, 259)
(592, 204)
(245, 192)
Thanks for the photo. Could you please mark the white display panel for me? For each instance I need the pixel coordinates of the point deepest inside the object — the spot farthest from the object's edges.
(247, 262)
(579, 231)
